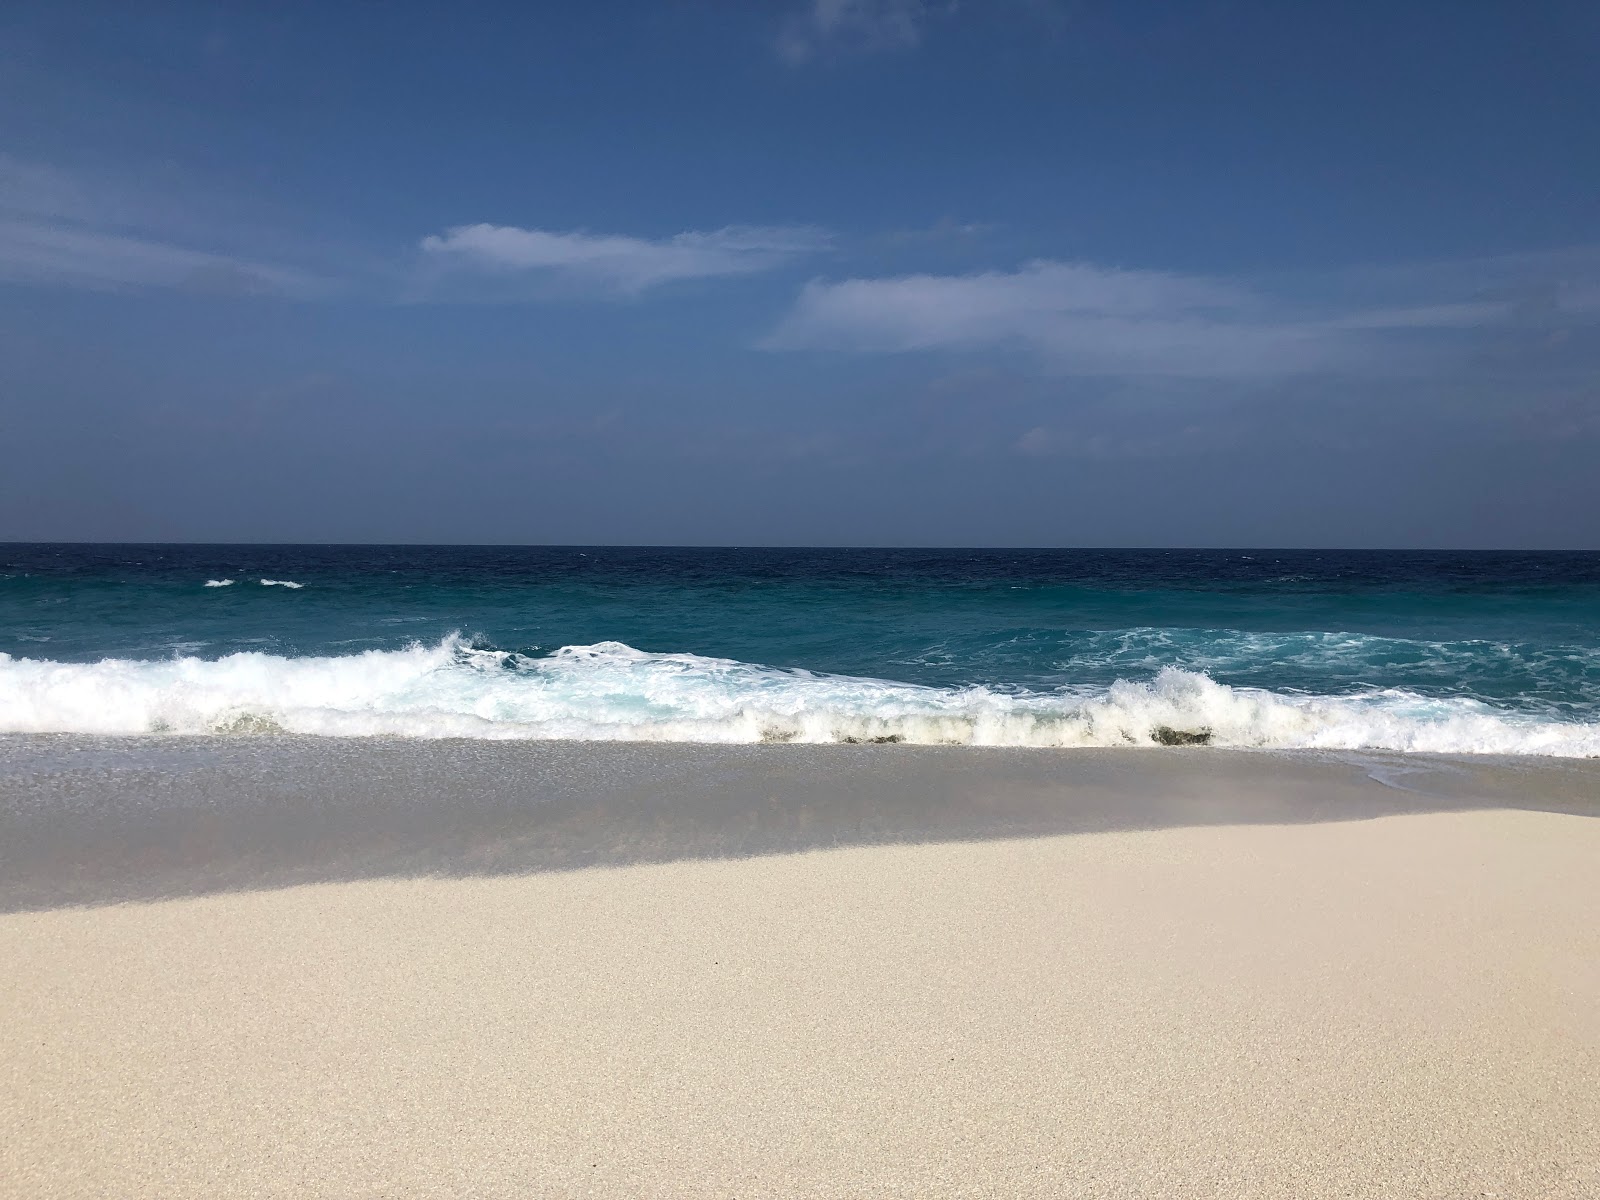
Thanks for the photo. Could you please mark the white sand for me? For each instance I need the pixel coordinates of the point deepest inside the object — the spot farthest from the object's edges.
(1404, 1007)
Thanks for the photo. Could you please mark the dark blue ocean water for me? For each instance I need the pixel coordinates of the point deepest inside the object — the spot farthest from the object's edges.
(708, 643)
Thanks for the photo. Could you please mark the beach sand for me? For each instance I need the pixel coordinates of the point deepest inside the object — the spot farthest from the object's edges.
(1404, 1005)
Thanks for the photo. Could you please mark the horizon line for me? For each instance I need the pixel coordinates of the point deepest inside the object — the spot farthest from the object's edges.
(1395, 549)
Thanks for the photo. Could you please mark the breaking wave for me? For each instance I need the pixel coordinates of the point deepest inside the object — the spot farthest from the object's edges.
(610, 691)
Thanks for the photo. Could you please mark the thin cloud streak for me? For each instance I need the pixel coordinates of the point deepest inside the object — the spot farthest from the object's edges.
(617, 263)
(863, 26)
(35, 252)
(59, 230)
(1082, 319)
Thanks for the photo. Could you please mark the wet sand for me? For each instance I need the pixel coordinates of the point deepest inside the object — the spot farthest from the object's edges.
(700, 971)
(87, 820)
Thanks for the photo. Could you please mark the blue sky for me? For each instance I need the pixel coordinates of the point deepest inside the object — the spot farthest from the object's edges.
(837, 272)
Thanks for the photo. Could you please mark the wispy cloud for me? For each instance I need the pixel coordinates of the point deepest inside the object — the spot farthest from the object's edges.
(57, 229)
(75, 229)
(616, 263)
(1083, 319)
(35, 252)
(854, 25)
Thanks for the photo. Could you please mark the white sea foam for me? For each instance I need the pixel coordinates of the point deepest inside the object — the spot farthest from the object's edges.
(288, 583)
(221, 582)
(610, 691)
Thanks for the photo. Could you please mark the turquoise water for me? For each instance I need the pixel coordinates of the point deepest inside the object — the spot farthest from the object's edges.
(1493, 652)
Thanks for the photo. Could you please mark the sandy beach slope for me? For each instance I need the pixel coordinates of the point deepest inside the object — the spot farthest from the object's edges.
(1402, 1006)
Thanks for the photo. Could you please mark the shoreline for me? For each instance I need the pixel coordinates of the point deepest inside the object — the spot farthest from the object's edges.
(96, 820)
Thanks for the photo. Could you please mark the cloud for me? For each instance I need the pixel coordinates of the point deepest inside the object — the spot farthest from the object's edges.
(613, 262)
(37, 252)
(1465, 315)
(77, 229)
(59, 229)
(859, 25)
(1082, 319)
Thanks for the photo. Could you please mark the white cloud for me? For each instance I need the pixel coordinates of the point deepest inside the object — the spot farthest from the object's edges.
(1089, 320)
(618, 263)
(1084, 319)
(861, 25)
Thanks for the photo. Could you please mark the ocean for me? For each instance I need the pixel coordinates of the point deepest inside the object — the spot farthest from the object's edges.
(1446, 652)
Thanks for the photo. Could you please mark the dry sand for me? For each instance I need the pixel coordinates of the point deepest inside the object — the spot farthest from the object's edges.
(1400, 1007)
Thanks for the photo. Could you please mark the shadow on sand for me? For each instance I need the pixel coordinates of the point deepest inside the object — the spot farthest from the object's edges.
(107, 820)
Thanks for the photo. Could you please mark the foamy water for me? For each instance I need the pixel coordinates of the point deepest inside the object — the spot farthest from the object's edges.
(610, 691)
(1440, 651)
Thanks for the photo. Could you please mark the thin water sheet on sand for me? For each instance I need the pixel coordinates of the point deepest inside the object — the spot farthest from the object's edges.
(95, 820)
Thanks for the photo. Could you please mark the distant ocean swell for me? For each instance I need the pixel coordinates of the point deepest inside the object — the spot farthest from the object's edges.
(609, 691)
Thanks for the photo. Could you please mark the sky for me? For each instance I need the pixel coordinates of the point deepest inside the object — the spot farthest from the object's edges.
(825, 272)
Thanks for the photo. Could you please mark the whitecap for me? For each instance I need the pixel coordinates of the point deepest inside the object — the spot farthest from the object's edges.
(219, 583)
(286, 583)
(611, 692)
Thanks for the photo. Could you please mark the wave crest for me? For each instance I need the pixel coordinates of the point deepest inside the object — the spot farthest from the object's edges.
(610, 691)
